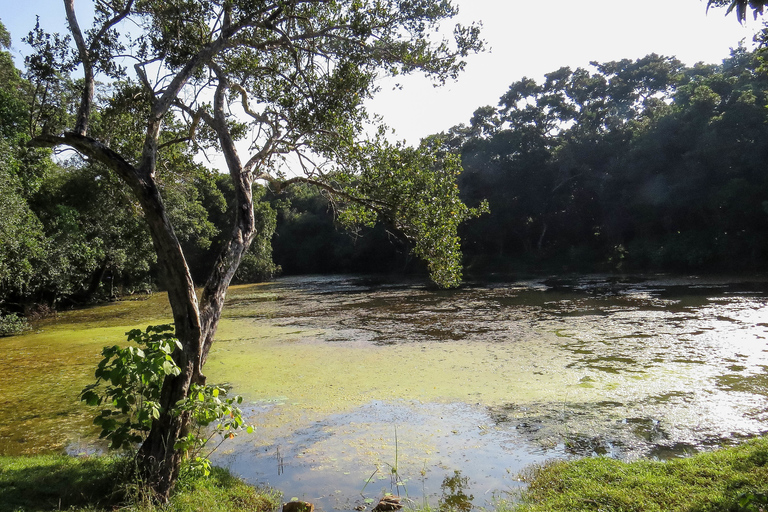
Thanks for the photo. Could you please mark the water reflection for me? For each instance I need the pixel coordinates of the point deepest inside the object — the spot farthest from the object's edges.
(453, 496)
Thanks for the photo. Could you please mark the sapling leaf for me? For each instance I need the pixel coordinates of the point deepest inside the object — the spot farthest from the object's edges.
(135, 376)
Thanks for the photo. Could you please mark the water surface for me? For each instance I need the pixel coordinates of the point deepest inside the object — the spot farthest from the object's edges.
(348, 378)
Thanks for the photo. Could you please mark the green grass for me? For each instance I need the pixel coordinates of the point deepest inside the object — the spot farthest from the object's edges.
(94, 484)
(727, 480)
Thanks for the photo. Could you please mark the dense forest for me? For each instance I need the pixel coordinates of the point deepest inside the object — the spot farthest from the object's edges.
(635, 165)
(632, 165)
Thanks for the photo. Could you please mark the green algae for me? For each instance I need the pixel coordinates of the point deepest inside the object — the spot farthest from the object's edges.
(45, 369)
(300, 356)
(264, 362)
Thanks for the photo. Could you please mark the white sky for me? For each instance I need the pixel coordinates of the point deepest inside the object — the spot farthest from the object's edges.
(525, 38)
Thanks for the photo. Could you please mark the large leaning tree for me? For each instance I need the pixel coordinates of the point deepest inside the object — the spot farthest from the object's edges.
(269, 85)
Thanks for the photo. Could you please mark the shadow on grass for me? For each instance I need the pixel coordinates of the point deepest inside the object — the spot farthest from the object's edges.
(58, 483)
(93, 484)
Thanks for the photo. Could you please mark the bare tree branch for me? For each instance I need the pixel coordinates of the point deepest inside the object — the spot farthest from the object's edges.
(86, 99)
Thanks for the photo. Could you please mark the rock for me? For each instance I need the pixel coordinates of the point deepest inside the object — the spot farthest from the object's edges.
(388, 503)
(298, 506)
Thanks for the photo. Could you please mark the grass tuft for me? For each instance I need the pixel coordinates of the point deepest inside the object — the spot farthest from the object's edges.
(727, 480)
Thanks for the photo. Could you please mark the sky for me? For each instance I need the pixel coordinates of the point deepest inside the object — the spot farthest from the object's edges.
(524, 38)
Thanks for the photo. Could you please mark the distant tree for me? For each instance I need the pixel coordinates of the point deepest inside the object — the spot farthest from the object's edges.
(541, 158)
(287, 77)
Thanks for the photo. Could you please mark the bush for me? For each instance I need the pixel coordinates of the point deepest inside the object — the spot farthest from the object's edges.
(12, 324)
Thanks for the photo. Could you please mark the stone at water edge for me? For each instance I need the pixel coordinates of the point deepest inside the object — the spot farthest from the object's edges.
(298, 506)
(388, 503)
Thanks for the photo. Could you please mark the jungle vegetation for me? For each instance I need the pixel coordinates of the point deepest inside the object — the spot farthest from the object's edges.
(638, 165)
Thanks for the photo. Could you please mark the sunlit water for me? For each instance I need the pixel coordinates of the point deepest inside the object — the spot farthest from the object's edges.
(359, 387)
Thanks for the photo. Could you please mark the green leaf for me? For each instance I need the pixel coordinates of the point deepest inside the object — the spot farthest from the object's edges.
(168, 367)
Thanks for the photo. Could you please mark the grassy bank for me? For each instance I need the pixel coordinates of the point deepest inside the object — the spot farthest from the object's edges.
(727, 480)
(48, 483)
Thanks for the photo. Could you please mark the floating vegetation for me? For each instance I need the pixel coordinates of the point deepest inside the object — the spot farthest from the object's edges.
(484, 379)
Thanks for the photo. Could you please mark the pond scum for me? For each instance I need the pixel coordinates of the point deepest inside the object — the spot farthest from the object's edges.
(315, 356)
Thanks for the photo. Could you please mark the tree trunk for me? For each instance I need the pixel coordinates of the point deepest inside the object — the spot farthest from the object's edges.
(195, 323)
(158, 462)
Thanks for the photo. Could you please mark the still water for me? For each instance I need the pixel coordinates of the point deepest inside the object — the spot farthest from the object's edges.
(359, 387)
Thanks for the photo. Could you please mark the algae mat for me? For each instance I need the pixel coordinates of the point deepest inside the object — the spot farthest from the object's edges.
(348, 378)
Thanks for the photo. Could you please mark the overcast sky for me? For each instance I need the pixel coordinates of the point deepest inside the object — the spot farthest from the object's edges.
(525, 38)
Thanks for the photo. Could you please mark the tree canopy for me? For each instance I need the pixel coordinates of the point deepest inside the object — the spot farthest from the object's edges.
(638, 165)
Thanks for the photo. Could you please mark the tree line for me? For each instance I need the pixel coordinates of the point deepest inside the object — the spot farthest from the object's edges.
(632, 165)
(643, 165)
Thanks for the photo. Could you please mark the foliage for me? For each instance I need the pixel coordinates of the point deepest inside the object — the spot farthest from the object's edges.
(24, 244)
(213, 415)
(727, 479)
(421, 184)
(632, 165)
(740, 6)
(99, 245)
(74, 233)
(11, 324)
(132, 379)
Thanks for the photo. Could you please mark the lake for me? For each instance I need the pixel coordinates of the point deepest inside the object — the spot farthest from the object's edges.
(359, 386)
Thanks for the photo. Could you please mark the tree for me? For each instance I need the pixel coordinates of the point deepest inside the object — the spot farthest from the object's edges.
(740, 6)
(284, 77)
(542, 158)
